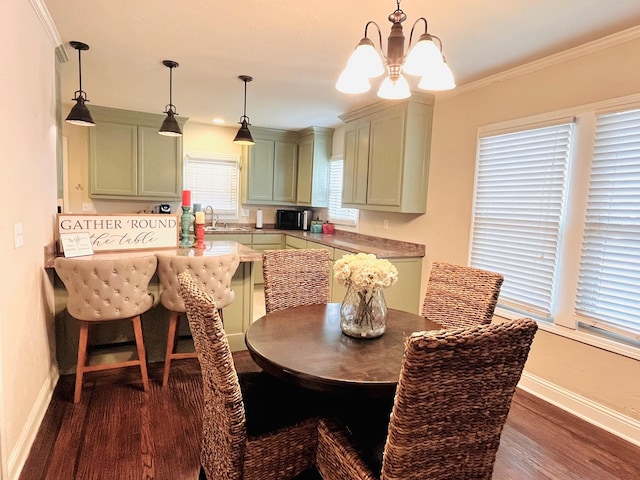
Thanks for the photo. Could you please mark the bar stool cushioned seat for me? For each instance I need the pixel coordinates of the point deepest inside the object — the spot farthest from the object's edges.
(102, 290)
(212, 274)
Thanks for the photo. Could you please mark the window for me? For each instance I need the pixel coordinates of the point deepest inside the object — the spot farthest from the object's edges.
(520, 190)
(213, 181)
(337, 214)
(609, 283)
(557, 211)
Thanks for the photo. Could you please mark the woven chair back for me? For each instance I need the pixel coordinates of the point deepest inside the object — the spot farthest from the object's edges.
(223, 426)
(461, 296)
(452, 400)
(295, 277)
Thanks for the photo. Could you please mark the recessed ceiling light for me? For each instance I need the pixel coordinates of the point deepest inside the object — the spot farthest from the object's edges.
(219, 121)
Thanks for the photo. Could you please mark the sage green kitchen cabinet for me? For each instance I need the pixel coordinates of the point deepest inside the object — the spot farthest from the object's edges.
(260, 243)
(314, 152)
(356, 163)
(386, 155)
(128, 159)
(271, 171)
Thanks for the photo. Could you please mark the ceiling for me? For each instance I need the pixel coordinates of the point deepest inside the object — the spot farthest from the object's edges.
(295, 49)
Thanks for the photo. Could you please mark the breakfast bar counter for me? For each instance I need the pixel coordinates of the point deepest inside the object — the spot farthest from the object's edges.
(115, 341)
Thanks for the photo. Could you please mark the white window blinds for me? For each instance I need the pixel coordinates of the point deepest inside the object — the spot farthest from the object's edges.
(519, 201)
(337, 214)
(609, 284)
(213, 181)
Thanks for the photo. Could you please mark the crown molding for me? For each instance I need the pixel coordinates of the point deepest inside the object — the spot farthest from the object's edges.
(609, 41)
(50, 28)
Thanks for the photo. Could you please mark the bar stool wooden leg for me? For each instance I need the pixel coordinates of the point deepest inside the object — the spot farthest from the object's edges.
(82, 360)
(174, 324)
(142, 355)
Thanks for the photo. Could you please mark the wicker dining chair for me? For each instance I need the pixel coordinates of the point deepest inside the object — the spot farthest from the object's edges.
(461, 296)
(254, 426)
(295, 277)
(213, 274)
(440, 428)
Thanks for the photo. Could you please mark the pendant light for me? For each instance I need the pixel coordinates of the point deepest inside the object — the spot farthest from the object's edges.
(80, 114)
(170, 127)
(425, 59)
(243, 137)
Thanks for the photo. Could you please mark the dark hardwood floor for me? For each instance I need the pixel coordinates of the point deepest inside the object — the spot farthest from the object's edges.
(117, 432)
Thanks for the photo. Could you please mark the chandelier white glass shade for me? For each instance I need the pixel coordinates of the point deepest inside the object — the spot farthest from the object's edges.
(424, 59)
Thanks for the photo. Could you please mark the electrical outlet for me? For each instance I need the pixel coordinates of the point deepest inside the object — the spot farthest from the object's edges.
(18, 238)
(385, 224)
(87, 207)
(245, 212)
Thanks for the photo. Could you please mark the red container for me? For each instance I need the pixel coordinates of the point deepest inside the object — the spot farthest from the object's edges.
(328, 228)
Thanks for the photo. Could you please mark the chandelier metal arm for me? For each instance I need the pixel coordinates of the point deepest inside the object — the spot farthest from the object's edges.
(366, 27)
(426, 29)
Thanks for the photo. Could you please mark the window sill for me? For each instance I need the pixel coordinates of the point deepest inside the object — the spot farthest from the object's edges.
(594, 339)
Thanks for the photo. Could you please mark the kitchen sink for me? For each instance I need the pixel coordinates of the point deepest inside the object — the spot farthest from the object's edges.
(225, 229)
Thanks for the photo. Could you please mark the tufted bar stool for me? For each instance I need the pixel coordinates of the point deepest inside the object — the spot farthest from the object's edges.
(211, 274)
(102, 290)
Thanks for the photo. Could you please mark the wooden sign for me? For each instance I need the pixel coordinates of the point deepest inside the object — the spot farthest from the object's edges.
(111, 232)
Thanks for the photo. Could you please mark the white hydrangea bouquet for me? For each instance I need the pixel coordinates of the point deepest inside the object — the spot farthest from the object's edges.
(364, 311)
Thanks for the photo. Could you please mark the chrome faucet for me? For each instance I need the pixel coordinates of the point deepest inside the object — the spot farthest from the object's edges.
(209, 217)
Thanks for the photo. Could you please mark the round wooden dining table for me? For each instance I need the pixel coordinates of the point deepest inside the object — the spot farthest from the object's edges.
(304, 345)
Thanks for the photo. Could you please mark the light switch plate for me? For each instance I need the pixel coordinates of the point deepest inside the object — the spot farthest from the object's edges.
(245, 212)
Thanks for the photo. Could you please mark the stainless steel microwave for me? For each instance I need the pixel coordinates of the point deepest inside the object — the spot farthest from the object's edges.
(289, 219)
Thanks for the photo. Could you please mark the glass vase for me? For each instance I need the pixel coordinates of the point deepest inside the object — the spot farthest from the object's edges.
(363, 313)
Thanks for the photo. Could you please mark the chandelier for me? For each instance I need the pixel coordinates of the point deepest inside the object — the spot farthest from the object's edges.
(425, 60)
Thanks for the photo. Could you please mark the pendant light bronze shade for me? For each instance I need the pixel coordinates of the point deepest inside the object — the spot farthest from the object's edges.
(80, 114)
(170, 125)
(243, 137)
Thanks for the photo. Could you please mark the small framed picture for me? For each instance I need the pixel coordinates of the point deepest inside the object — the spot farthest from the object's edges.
(76, 244)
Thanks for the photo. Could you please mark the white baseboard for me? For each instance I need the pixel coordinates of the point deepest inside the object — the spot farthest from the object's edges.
(614, 422)
(20, 453)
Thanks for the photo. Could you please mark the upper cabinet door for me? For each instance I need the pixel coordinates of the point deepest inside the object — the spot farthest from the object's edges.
(285, 174)
(260, 171)
(159, 172)
(314, 152)
(356, 163)
(386, 158)
(305, 171)
(113, 159)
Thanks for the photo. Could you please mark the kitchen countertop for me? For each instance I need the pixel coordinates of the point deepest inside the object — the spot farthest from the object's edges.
(348, 241)
(212, 249)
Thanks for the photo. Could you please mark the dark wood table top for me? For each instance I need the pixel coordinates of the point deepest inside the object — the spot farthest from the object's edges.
(305, 345)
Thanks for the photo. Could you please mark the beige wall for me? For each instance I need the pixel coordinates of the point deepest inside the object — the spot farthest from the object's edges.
(28, 197)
